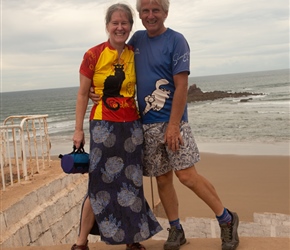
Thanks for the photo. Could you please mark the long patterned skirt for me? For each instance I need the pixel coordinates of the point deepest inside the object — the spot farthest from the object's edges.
(115, 189)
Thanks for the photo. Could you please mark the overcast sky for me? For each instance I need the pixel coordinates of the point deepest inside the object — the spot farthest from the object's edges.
(43, 41)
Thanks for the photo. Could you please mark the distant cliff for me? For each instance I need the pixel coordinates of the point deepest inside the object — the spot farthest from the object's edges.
(195, 95)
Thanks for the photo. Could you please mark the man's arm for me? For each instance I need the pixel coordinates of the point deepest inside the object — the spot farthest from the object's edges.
(173, 137)
(94, 97)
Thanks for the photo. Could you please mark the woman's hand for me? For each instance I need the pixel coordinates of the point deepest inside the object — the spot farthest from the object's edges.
(79, 138)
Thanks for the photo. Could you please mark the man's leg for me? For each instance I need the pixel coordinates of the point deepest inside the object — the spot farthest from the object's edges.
(201, 187)
(228, 221)
(168, 195)
(169, 200)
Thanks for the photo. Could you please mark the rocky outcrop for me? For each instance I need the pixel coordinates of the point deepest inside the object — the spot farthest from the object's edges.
(195, 94)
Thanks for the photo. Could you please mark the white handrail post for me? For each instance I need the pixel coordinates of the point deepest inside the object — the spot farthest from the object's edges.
(35, 144)
(23, 153)
(9, 157)
(48, 145)
(1, 159)
(16, 154)
(40, 121)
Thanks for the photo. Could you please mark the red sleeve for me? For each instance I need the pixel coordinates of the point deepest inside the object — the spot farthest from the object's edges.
(88, 64)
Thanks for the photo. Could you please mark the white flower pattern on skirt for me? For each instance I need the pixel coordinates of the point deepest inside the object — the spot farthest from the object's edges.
(95, 157)
(101, 131)
(100, 201)
(127, 195)
(109, 226)
(135, 174)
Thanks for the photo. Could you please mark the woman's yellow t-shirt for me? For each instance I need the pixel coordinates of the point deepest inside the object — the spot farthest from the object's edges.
(114, 79)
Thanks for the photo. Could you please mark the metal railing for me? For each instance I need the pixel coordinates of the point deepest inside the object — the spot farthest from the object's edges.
(24, 142)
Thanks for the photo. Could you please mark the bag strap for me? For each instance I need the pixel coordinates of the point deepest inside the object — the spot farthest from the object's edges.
(80, 150)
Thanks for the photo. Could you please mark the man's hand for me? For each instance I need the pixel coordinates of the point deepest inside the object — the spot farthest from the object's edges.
(94, 97)
(173, 137)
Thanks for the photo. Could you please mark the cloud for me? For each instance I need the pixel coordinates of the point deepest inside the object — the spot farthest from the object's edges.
(43, 41)
(235, 36)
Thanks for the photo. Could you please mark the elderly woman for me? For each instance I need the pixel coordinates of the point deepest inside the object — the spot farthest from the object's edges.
(115, 207)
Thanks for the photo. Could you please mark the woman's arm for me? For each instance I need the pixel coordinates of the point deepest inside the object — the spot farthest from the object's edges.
(81, 108)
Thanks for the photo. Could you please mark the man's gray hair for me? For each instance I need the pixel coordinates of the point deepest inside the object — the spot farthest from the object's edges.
(163, 3)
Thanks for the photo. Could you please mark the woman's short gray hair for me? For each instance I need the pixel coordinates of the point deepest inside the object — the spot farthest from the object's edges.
(119, 6)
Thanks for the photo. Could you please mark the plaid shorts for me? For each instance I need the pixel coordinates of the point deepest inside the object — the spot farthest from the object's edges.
(158, 159)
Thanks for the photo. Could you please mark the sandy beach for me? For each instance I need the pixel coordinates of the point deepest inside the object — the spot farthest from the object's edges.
(245, 183)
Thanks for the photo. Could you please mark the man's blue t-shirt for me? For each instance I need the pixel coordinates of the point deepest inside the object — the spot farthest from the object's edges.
(157, 60)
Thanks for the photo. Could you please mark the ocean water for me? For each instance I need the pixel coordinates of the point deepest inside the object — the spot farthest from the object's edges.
(262, 120)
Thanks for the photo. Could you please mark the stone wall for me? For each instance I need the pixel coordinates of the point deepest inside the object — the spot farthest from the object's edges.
(47, 216)
(50, 216)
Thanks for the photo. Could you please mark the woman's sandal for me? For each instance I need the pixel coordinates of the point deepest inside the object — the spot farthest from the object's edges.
(135, 246)
(80, 247)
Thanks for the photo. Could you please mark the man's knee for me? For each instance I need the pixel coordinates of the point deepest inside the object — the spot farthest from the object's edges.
(164, 180)
(187, 175)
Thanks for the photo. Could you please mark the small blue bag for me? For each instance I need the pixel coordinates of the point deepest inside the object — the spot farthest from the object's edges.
(76, 162)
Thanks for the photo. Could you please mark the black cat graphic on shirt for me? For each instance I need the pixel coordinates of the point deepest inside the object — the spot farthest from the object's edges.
(112, 87)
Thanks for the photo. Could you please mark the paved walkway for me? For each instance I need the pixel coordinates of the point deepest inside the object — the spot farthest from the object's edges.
(193, 244)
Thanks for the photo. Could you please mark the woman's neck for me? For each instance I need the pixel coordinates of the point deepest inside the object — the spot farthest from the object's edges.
(118, 47)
